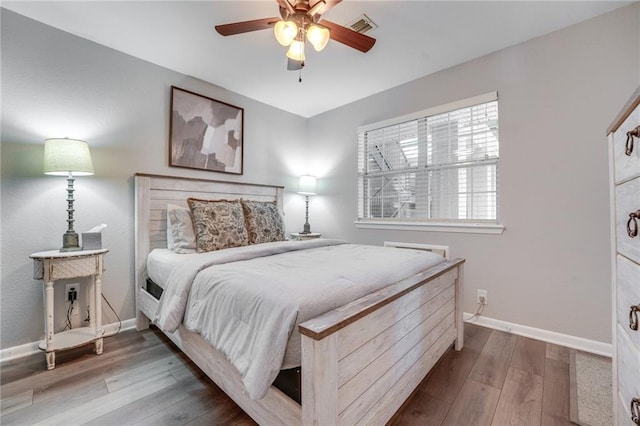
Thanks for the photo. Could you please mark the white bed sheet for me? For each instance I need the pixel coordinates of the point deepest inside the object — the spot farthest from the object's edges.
(160, 263)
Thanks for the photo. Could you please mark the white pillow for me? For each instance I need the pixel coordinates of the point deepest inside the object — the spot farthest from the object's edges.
(181, 237)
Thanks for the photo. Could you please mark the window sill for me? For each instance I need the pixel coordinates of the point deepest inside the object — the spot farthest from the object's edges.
(466, 228)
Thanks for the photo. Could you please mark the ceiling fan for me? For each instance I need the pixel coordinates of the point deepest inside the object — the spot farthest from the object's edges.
(301, 21)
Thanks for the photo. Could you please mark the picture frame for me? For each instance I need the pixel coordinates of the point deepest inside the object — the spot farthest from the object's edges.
(205, 134)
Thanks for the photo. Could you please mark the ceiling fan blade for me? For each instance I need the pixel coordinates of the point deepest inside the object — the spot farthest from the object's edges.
(246, 26)
(349, 37)
(293, 65)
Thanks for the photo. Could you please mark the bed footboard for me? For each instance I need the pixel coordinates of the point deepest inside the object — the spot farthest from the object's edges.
(360, 362)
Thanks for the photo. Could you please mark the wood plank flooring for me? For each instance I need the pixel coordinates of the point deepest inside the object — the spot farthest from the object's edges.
(142, 379)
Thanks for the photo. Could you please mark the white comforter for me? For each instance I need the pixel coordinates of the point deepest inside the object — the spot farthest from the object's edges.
(248, 301)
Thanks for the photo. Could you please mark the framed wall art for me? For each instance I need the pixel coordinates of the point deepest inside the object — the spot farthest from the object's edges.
(205, 134)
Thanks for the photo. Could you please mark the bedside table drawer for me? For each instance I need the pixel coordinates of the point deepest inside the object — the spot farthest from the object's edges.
(66, 268)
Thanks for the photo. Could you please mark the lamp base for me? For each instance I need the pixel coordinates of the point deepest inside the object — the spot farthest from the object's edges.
(306, 229)
(70, 242)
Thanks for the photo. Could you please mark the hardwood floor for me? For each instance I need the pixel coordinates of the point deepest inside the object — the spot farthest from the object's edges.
(497, 379)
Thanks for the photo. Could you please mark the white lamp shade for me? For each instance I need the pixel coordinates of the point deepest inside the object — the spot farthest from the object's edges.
(318, 36)
(285, 32)
(296, 51)
(64, 156)
(307, 185)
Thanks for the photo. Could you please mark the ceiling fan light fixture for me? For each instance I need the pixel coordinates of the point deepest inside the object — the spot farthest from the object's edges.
(318, 36)
(285, 32)
(296, 51)
(299, 22)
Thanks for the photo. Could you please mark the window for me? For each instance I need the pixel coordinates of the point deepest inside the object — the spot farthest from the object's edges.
(437, 168)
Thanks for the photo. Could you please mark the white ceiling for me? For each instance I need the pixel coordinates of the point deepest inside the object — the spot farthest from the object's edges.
(415, 38)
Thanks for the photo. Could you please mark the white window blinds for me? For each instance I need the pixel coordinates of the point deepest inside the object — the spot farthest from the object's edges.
(439, 165)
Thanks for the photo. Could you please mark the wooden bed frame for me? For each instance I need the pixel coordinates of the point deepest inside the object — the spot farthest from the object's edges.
(360, 362)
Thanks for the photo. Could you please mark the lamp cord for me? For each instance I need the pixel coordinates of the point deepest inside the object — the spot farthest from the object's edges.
(116, 314)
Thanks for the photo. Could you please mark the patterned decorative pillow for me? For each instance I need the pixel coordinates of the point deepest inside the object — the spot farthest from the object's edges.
(264, 222)
(218, 224)
(180, 236)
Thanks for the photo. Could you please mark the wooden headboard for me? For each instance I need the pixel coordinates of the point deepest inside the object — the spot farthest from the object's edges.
(154, 192)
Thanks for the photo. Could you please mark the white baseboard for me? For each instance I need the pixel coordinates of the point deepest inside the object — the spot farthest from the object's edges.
(31, 348)
(573, 342)
(579, 343)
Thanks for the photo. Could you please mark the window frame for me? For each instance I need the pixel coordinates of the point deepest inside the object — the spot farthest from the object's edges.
(458, 226)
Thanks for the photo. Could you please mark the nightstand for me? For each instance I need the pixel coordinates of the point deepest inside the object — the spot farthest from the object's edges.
(54, 265)
(300, 236)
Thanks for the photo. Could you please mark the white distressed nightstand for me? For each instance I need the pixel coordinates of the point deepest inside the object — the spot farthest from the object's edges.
(300, 236)
(54, 265)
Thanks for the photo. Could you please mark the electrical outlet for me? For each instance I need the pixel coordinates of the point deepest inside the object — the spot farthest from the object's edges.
(483, 297)
(72, 292)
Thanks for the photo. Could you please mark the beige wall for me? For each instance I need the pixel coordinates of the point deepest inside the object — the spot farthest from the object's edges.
(557, 95)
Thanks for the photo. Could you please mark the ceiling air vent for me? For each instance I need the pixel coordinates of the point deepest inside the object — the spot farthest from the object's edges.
(363, 24)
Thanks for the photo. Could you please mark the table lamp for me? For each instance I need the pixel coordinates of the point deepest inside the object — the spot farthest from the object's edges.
(68, 157)
(307, 186)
